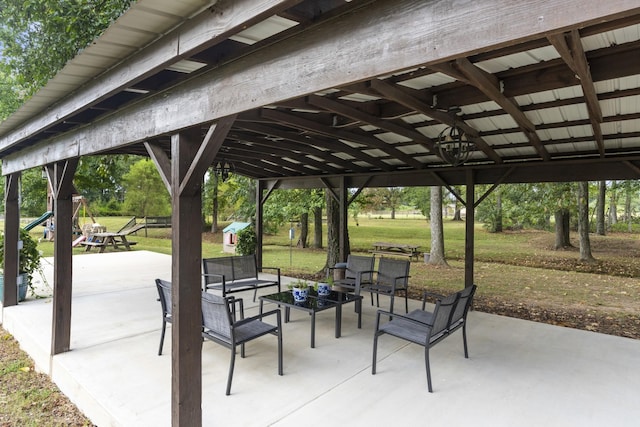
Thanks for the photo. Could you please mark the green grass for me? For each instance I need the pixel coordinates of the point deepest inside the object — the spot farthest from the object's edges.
(512, 266)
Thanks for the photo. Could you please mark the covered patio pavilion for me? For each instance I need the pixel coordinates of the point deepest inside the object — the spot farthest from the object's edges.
(518, 372)
(333, 94)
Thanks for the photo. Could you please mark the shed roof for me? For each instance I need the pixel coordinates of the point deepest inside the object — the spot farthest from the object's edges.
(235, 227)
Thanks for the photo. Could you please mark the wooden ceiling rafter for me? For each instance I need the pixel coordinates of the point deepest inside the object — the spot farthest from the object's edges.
(291, 141)
(401, 96)
(310, 126)
(490, 86)
(569, 46)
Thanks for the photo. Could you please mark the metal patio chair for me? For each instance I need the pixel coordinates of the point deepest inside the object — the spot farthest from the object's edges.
(220, 325)
(164, 293)
(428, 328)
(391, 277)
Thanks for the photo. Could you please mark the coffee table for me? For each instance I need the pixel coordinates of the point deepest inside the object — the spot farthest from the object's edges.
(314, 304)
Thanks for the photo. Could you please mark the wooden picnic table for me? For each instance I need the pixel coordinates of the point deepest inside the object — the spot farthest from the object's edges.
(102, 240)
(401, 249)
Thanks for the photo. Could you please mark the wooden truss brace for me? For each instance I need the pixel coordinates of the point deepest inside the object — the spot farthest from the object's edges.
(570, 49)
(394, 92)
(462, 69)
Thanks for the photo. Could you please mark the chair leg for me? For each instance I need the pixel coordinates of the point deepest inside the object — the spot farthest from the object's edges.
(426, 361)
(231, 366)
(242, 350)
(464, 339)
(406, 301)
(375, 352)
(391, 302)
(164, 325)
(280, 364)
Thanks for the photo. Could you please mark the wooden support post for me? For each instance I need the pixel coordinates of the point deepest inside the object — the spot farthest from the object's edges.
(343, 220)
(186, 350)
(259, 219)
(11, 237)
(60, 177)
(191, 155)
(469, 246)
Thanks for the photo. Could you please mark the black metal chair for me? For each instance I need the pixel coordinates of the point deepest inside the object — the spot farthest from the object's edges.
(164, 293)
(221, 326)
(357, 272)
(391, 277)
(428, 328)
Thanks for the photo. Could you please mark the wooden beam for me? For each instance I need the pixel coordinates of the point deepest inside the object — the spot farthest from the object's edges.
(347, 111)
(307, 143)
(162, 162)
(209, 28)
(11, 238)
(186, 224)
(569, 46)
(207, 151)
(392, 91)
(301, 123)
(61, 175)
(490, 86)
(469, 240)
(274, 74)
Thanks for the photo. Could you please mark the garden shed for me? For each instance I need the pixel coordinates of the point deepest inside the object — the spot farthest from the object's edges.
(230, 236)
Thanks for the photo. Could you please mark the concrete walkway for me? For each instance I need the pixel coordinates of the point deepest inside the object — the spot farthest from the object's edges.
(519, 373)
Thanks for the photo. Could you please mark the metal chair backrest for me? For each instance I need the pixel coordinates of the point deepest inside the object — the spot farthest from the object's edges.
(356, 263)
(216, 315)
(164, 292)
(390, 269)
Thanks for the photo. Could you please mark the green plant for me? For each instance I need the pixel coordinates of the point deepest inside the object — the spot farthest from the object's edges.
(299, 283)
(29, 254)
(247, 241)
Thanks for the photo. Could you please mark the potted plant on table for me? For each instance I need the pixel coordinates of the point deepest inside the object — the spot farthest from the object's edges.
(299, 289)
(28, 264)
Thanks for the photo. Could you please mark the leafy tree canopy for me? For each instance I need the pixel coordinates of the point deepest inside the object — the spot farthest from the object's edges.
(37, 37)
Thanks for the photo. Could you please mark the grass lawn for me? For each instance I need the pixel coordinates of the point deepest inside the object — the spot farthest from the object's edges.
(518, 273)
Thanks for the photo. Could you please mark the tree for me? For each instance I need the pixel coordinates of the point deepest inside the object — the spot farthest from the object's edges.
(385, 198)
(33, 193)
(437, 231)
(583, 222)
(600, 208)
(145, 193)
(39, 36)
(333, 231)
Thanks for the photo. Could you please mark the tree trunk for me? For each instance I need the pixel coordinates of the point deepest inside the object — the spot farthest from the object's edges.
(498, 228)
(563, 218)
(304, 230)
(317, 228)
(600, 224)
(437, 232)
(613, 200)
(457, 215)
(333, 229)
(583, 222)
(393, 212)
(627, 208)
(214, 211)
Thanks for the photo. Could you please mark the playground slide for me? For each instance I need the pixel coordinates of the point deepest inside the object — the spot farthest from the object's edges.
(45, 216)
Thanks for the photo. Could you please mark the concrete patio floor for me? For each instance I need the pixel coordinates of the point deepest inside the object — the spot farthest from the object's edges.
(519, 373)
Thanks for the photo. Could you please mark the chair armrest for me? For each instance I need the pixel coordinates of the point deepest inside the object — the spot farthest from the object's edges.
(260, 317)
(233, 301)
(396, 315)
(276, 269)
(220, 276)
(426, 294)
